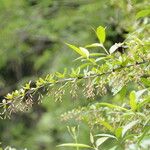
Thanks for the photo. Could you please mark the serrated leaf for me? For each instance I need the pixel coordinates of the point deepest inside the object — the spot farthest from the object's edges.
(128, 127)
(100, 141)
(100, 31)
(75, 145)
(133, 101)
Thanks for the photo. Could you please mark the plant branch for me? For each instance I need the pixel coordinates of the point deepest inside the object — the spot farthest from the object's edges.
(32, 91)
(89, 76)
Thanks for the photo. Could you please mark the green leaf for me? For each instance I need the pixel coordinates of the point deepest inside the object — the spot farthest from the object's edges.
(81, 51)
(101, 58)
(94, 45)
(106, 125)
(140, 93)
(106, 135)
(141, 137)
(112, 106)
(0, 146)
(100, 141)
(123, 92)
(27, 86)
(128, 127)
(100, 32)
(91, 138)
(113, 148)
(115, 47)
(85, 51)
(79, 58)
(97, 54)
(145, 101)
(145, 81)
(133, 100)
(118, 132)
(143, 13)
(75, 145)
(59, 75)
(9, 96)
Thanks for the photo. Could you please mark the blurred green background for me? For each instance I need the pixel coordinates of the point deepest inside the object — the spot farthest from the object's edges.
(32, 37)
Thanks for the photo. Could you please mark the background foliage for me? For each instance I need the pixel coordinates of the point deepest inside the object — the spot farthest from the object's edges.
(32, 45)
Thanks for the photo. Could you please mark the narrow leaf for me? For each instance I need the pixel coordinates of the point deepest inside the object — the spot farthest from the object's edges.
(100, 141)
(91, 138)
(101, 34)
(75, 145)
(106, 135)
(145, 81)
(145, 101)
(99, 59)
(112, 106)
(106, 125)
(115, 47)
(128, 127)
(133, 100)
(113, 148)
(85, 51)
(143, 13)
(82, 52)
(140, 93)
(97, 54)
(118, 132)
(94, 45)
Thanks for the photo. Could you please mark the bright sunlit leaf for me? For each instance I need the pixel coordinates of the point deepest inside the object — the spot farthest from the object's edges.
(100, 141)
(133, 100)
(100, 31)
(75, 145)
(128, 127)
(81, 51)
